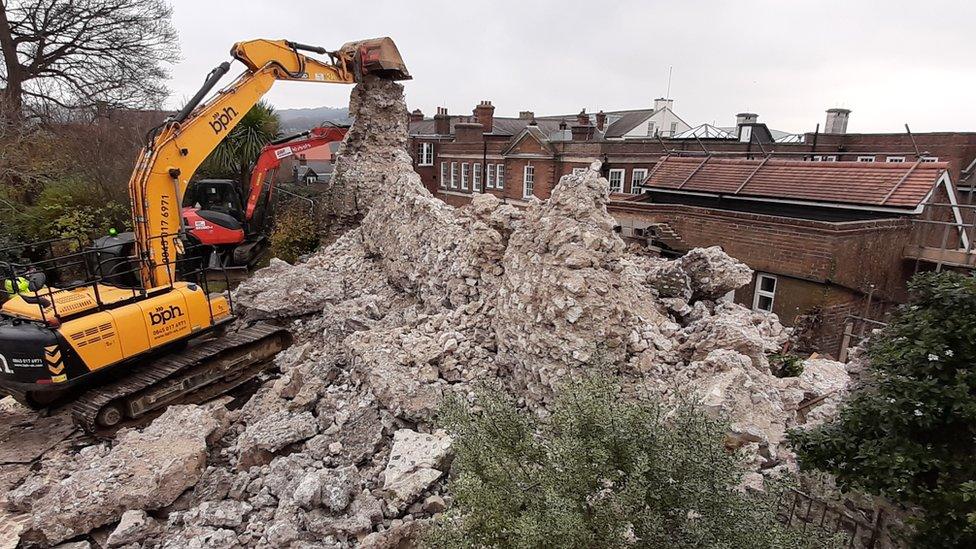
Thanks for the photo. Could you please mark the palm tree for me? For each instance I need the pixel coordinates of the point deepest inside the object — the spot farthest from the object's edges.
(233, 157)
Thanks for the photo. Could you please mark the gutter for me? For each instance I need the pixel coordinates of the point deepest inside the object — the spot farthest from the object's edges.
(903, 211)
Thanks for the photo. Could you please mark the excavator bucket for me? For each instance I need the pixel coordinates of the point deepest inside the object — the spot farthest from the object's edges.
(376, 56)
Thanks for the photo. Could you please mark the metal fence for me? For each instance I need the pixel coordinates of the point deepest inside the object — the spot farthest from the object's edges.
(807, 512)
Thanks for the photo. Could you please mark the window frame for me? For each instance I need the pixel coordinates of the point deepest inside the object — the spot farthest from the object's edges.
(930, 159)
(425, 156)
(476, 177)
(759, 292)
(634, 181)
(490, 176)
(528, 183)
(622, 172)
(465, 174)
(500, 176)
(866, 158)
(454, 174)
(443, 181)
(895, 159)
(824, 158)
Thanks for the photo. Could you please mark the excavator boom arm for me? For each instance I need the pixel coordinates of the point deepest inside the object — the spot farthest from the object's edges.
(177, 149)
(272, 154)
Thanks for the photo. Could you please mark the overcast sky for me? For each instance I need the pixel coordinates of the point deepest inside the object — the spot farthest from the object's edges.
(891, 61)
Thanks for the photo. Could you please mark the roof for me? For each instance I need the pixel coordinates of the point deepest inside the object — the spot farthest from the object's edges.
(534, 131)
(318, 166)
(628, 121)
(889, 185)
(319, 152)
(705, 131)
(779, 136)
(500, 125)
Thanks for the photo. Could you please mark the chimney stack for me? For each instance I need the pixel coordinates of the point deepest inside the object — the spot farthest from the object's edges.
(837, 120)
(601, 120)
(416, 116)
(485, 114)
(582, 118)
(442, 122)
(746, 118)
(526, 115)
(663, 103)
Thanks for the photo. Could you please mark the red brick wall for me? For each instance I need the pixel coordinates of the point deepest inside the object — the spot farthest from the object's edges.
(819, 265)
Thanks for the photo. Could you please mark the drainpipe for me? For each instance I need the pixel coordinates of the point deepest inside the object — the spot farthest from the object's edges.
(484, 164)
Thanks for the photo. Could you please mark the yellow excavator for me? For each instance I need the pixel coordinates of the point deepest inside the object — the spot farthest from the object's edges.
(119, 330)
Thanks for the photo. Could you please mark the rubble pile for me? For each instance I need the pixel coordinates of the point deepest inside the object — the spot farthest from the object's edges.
(418, 301)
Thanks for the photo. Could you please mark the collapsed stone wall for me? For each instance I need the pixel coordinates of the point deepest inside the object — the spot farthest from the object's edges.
(417, 301)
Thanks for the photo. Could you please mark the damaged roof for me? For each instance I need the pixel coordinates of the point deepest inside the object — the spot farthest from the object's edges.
(889, 185)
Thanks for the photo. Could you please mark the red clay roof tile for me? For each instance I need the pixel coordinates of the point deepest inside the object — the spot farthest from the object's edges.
(899, 185)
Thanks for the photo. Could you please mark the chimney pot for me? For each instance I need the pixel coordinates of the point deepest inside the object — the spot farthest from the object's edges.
(416, 116)
(526, 115)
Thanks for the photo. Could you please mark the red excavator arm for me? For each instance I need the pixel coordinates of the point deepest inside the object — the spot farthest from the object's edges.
(270, 160)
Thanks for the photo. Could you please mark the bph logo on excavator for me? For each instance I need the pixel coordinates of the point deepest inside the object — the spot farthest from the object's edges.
(221, 120)
(165, 315)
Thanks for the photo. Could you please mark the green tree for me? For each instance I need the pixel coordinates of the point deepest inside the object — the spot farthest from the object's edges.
(235, 155)
(602, 471)
(909, 433)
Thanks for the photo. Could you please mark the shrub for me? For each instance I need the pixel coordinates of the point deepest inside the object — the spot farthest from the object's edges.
(600, 472)
(70, 208)
(785, 365)
(294, 235)
(909, 433)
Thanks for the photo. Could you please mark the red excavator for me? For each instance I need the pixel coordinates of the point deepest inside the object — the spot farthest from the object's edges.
(212, 209)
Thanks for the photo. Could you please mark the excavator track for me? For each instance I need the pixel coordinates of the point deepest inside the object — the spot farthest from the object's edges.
(205, 370)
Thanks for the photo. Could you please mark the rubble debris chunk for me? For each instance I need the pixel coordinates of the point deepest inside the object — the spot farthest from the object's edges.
(146, 469)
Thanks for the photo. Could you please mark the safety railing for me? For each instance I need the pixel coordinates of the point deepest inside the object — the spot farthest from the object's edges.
(943, 236)
(806, 512)
(121, 273)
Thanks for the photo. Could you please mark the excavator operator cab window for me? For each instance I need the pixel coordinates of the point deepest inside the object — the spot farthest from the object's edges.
(216, 195)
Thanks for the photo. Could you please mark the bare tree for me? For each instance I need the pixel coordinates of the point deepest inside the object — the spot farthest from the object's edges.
(76, 53)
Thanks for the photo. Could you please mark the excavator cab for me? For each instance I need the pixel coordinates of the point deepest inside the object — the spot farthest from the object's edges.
(215, 195)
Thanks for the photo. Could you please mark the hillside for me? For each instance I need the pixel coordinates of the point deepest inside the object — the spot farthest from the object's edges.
(297, 120)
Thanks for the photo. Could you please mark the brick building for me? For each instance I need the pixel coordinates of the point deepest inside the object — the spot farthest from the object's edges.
(808, 217)
(533, 152)
(826, 239)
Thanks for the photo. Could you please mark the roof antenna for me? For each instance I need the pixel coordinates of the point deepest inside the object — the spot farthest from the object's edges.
(668, 95)
(918, 153)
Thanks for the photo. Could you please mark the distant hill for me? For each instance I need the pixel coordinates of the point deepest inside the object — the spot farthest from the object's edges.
(299, 120)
